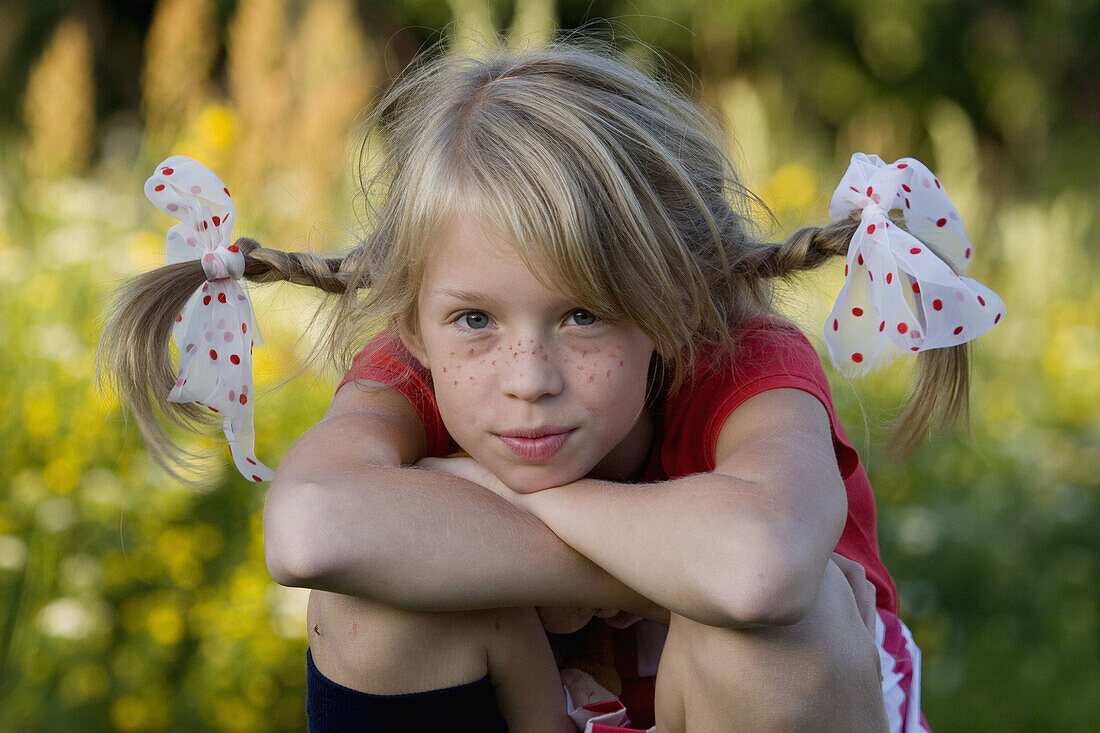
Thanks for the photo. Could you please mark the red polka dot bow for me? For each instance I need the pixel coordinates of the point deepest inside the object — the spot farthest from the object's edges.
(216, 329)
(903, 290)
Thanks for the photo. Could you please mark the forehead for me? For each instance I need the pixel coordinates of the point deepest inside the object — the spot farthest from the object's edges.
(462, 235)
(469, 252)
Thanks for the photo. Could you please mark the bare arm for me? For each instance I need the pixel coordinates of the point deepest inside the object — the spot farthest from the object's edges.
(525, 677)
(744, 545)
(343, 516)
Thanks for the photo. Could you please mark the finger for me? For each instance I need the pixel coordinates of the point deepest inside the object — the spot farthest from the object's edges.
(850, 568)
(863, 590)
(622, 620)
(867, 608)
(855, 573)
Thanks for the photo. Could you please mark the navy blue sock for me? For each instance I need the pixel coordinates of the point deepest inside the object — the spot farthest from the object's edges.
(333, 708)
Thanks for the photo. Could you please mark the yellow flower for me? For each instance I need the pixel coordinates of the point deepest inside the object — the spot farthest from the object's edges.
(176, 548)
(260, 688)
(165, 624)
(268, 649)
(62, 474)
(208, 540)
(173, 544)
(83, 682)
(145, 250)
(215, 127)
(792, 187)
(129, 713)
(186, 573)
(233, 713)
(40, 416)
(41, 292)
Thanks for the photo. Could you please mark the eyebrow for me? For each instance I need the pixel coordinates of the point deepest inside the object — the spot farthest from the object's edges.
(462, 294)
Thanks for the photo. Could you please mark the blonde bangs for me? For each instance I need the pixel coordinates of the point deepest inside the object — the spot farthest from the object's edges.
(550, 180)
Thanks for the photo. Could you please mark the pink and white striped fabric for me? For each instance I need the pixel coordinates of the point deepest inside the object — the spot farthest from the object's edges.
(899, 658)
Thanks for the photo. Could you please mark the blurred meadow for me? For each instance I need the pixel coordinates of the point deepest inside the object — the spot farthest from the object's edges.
(129, 602)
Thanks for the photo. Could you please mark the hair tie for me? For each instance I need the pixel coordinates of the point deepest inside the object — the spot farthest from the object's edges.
(216, 329)
(903, 290)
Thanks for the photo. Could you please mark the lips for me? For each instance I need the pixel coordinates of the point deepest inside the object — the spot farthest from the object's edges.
(535, 445)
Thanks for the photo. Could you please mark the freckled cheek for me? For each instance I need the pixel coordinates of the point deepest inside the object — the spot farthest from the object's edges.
(603, 366)
(459, 374)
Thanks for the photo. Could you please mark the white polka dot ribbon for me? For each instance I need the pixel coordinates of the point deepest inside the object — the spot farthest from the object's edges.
(216, 329)
(903, 290)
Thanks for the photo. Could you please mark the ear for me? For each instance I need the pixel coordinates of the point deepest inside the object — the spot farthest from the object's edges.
(410, 337)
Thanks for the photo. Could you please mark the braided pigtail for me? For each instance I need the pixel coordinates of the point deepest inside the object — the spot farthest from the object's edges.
(264, 265)
(806, 249)
(134, 355)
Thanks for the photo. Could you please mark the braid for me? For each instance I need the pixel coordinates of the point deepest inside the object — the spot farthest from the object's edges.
(806, 249)
(264, 265)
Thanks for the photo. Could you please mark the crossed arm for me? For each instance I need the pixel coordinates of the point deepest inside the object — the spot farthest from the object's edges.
(744, 545)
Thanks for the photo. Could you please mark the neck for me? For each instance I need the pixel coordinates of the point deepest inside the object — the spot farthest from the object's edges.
(627, 461)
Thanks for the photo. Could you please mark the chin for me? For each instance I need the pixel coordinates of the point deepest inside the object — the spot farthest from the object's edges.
(530, 479)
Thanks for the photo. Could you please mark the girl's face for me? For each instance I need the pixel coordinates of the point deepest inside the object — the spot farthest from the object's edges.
(534, 387)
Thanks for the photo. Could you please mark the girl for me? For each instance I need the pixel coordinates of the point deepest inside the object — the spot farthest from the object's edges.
(565, 286)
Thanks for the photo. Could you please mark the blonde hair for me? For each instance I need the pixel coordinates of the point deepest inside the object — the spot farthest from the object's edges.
(610, 184)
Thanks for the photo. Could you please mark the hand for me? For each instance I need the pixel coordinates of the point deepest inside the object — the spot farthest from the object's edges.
(863, 589)
(583, 689)
(617, 619)
(467, 468)
(563, 620)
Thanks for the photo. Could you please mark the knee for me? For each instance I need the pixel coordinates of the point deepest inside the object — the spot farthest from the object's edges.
(818, 674)
(781, 671)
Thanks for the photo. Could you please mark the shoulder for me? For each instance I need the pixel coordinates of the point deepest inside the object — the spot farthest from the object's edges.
(763, 347)
(768, 353)
(385, 361)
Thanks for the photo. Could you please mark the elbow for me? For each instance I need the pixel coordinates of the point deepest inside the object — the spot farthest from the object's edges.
(781, 601)
(778, 591)
(293, 525)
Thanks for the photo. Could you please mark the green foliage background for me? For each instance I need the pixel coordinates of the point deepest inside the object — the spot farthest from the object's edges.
(131, 603)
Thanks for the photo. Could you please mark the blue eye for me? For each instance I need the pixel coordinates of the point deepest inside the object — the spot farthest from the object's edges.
(474, 320)
(583, 317)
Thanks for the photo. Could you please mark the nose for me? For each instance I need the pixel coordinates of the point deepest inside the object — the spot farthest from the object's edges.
(532, 372)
